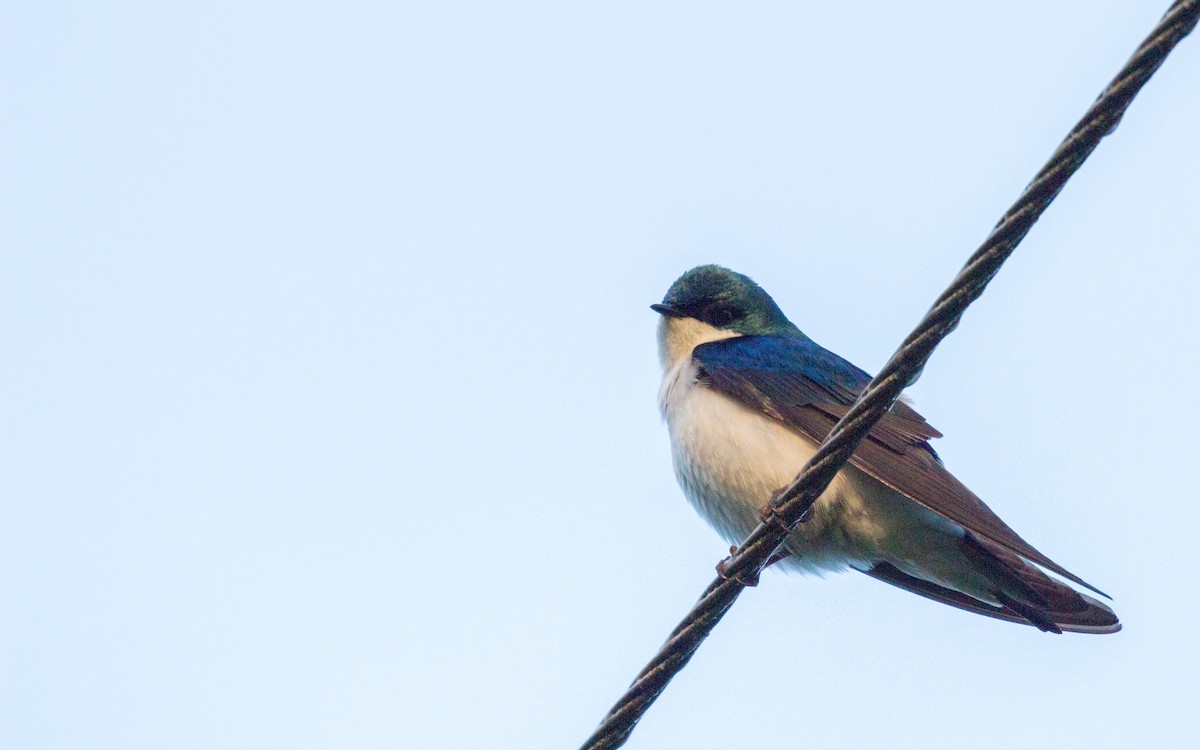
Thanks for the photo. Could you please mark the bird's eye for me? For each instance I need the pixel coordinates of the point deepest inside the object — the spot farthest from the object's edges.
(721, 315)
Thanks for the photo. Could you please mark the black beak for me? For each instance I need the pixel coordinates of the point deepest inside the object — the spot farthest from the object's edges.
(667, 310)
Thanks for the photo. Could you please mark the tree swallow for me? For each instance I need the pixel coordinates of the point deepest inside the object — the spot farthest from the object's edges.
(747, 398)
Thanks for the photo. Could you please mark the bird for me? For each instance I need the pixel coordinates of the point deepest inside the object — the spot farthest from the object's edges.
(747, 398)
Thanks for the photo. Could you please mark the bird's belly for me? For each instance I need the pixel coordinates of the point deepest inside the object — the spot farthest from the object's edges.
(730, 460)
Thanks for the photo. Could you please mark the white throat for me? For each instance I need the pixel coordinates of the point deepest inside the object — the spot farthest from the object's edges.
(677, 337)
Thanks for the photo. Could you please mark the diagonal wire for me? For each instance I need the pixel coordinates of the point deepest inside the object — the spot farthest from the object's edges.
(790, 504)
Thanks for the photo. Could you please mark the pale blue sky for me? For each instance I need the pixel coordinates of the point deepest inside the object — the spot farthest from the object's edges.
(328, 398)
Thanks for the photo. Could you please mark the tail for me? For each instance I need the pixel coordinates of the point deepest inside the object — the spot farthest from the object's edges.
(1026, 594)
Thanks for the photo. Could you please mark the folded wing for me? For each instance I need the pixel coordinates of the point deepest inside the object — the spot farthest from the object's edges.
(808, 388)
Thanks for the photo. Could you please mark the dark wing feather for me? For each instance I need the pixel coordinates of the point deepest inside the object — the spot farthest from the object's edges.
(808, 388)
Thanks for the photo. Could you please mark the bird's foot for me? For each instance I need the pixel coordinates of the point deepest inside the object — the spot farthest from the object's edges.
(723, 571)
(723, 567)
(768, 515)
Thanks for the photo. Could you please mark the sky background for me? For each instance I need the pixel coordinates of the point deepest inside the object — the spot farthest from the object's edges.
(328, 399)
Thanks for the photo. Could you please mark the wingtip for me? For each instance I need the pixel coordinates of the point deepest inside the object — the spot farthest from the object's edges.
(1076, 579)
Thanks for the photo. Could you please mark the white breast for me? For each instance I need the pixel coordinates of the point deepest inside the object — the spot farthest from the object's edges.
(729, 460)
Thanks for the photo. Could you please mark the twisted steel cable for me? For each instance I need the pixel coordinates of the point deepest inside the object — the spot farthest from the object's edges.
(790, 504)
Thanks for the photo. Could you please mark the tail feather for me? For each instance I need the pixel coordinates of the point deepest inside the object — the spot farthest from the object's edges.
(1027, 595)
(1067, 607)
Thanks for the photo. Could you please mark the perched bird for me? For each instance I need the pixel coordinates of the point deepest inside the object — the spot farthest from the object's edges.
(747, 398)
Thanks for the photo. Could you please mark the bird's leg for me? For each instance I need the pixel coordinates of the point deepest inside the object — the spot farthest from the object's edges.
(767, 512)
(723, 570)
(723, 566)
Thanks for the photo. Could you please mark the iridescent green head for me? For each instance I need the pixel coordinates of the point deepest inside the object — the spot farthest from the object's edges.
(724, 299)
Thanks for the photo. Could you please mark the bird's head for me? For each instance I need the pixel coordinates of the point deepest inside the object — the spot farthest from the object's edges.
(725, 300)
